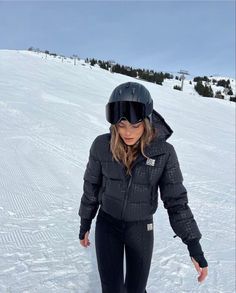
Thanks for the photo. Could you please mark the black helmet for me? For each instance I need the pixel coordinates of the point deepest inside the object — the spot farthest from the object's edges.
(131, 101)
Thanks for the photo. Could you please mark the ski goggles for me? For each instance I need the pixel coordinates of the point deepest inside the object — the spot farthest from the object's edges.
(132, 111)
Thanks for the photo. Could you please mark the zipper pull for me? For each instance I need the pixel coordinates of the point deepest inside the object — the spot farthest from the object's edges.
(130, 179)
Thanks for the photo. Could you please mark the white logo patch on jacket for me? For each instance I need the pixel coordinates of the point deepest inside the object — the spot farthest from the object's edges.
(150, 162)
(150, 227)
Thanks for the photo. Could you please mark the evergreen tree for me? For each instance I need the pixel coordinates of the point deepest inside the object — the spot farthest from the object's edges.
(168, 76)
(176, 87)
(199, 78)
(223, 83)
(214, 81)
(199, 87)
(93, 62)
(203, 90)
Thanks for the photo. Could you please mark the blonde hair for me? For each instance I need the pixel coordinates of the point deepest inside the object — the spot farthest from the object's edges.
(125, 153)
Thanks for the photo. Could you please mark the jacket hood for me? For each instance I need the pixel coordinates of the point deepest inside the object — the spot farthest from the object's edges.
(163, 129)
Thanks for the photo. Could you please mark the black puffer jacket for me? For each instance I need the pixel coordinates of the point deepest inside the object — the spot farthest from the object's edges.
(135, 197)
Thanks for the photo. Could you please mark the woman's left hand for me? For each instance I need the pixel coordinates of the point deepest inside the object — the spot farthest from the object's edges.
(203, 272)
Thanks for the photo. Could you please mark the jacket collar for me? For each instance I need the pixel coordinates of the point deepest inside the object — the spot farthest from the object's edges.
(156, 147)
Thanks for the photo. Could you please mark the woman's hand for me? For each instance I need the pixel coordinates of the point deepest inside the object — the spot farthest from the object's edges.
(85, 242)
(203, 272)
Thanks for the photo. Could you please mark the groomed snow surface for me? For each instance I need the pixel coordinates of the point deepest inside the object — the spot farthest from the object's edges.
(50, 112)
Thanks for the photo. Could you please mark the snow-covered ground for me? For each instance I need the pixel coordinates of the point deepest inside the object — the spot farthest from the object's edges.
(50, 112)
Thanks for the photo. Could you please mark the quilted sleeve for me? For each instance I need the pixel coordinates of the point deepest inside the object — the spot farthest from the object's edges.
(92, 181)
(175, 199)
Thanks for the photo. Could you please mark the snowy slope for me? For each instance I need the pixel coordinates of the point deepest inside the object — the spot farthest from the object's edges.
(50, 112)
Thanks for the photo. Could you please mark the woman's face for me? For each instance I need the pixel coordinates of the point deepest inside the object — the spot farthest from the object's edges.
(130, 133)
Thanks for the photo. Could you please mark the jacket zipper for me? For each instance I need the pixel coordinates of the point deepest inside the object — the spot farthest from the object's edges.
(127, 190)
(126, 197)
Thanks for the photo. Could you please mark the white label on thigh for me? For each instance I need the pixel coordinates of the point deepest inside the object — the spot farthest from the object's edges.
(149, 227)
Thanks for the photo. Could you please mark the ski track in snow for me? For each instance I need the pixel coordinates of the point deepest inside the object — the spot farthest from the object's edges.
(45, 137)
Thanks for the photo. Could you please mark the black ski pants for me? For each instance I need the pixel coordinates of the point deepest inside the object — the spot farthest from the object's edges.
(112, 238)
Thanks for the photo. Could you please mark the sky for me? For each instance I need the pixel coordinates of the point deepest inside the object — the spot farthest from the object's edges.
(197, 36)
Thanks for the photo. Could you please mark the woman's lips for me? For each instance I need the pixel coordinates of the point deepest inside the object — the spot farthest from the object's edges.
(128, 138)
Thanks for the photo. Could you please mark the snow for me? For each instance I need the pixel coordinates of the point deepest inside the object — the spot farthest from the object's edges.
(50, 112)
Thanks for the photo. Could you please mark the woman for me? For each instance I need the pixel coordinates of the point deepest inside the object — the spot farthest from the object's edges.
(125, 169)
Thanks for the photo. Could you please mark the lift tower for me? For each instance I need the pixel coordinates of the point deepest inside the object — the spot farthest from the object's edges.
(182, 76)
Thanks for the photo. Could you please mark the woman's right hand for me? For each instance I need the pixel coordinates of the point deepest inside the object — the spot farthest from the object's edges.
(85, 242)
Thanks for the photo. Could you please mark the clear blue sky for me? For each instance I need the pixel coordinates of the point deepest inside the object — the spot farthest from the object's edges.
(198, 36)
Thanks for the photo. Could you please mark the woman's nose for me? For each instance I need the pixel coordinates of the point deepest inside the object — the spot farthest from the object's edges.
(127, 133)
